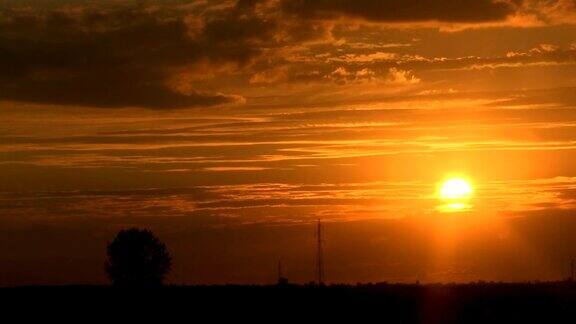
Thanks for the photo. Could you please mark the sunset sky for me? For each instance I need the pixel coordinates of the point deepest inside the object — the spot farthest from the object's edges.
(229, 127)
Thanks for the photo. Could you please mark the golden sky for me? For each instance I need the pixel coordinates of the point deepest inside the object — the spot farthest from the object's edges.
(229, 127)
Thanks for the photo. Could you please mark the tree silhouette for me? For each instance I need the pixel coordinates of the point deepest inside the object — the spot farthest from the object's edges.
(137, 258)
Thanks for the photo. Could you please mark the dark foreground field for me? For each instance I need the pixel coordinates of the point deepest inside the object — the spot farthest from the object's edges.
(382, 303)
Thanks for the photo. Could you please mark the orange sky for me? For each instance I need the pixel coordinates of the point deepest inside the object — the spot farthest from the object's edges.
(229, 127)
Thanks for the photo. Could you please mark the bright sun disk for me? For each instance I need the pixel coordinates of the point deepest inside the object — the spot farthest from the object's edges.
(455, 189)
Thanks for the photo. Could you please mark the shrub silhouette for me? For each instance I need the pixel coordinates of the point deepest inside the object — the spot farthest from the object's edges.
(137, 258)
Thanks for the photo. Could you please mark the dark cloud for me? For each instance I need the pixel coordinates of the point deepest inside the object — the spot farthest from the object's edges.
(115, 58)
(160, 56)
(154, 55)
(403, 10)
(148, 55)
(107, 92)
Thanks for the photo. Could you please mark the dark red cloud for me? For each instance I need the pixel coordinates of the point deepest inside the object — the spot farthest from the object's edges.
(404, 10)
(130, 55)
(116, 58)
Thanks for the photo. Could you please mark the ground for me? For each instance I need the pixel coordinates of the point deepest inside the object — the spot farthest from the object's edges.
(385, 303)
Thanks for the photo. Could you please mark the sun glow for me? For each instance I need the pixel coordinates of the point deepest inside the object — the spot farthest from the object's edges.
(455, 192)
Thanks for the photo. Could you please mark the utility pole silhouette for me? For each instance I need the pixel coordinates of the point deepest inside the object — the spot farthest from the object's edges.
(320, 275)
(572, 265)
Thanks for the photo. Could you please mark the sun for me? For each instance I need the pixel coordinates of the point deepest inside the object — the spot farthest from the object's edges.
(455, 194)
(455, 189)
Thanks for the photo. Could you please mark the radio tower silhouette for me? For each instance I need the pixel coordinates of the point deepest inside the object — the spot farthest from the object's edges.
(320, 275)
